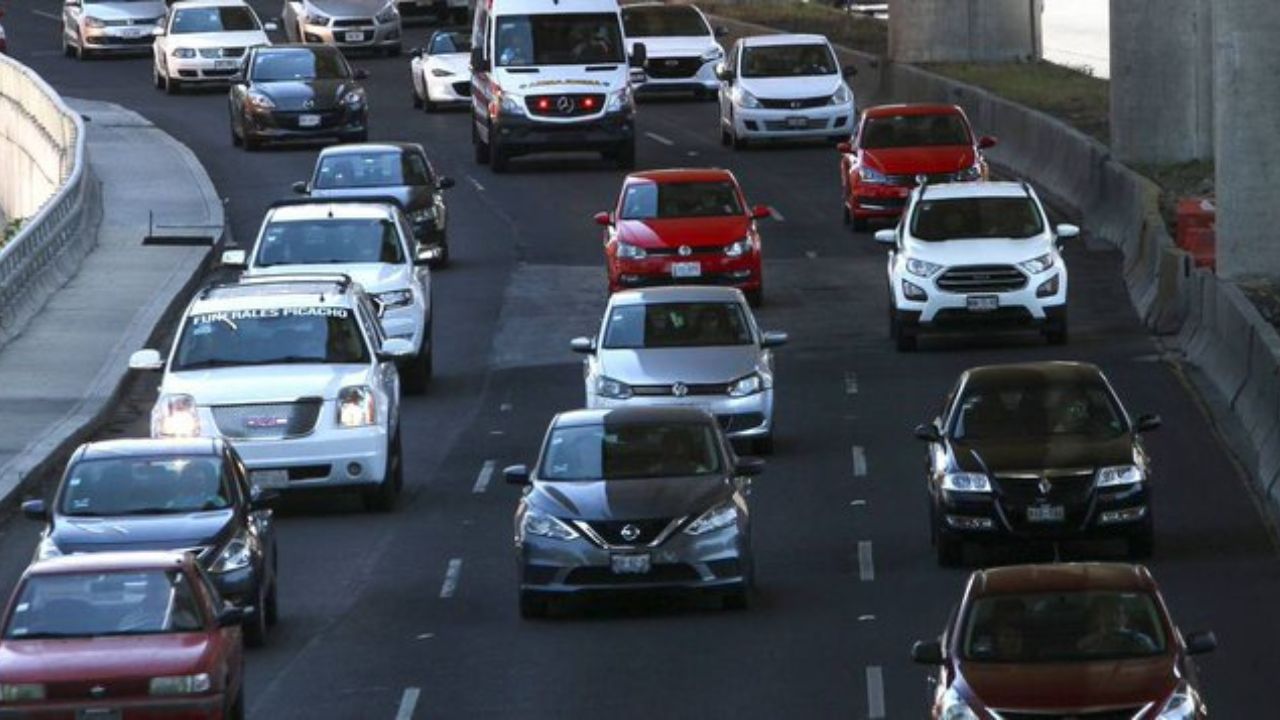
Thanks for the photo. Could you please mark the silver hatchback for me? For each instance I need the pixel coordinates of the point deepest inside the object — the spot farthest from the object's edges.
(110, 26)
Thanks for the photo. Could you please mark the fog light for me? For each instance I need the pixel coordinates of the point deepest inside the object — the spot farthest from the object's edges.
(913, 292)
(751, 125)
(963, 522)
(354, 469)
(1048, 288)
(740, 274)
(1112, 517)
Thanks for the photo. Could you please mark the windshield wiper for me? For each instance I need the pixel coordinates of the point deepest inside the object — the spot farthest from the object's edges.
(212, 363)
(43, 636)
(284, 360)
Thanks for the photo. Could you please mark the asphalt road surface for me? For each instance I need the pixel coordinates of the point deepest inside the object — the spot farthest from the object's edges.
(414, 613)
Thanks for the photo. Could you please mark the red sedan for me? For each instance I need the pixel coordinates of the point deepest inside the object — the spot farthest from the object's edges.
(894, 144)
(114, 636)
(684, 227)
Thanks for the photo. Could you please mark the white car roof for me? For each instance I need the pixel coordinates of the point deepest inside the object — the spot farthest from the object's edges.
(542, 7)
(949, 191)
(185, 4)
(276, 292)
(785, 39)
(676, 294)
(336, 210)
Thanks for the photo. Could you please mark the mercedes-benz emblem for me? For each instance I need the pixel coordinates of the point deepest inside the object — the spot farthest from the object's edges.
(630, 533)
(564, 104)
(679, 389)
(308, 104)
(97, 691)
(1045, 486)
(685, 251)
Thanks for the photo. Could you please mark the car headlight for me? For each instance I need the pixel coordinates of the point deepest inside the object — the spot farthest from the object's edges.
(175, 416)
(353, 99)
(21, 692)
(183, 53)
(93, 22)
(357, 406)
(966, 482)
(746, 99)
(749, 385)
(720, 516)
(181, 684)
(394, 298)
(441, 72)
(841, 95)
(315, 18)
(619, 101)
(511, 105)
(922, 268)
(47, 549)
(1182, 704)
(421, 215)
(871, 176)
(627, 251)
(259, 101)
(610, 388)
(543, 525)
(970, 174)
(235, 555)
(387, 14)
(739, 248)
(955, 708)
(1035, 266)
(713, 54)
(1119, 475)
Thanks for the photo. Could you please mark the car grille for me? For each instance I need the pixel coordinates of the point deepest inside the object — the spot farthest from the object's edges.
(784, 126)
(209, 53)
(611, 531)
(566, 105)
(690, 389)
(664, 573)
(982, 279)
(352, 22)
(1123, 714)
(1072, 489)
(672, 68)
(794, 103)
(130, 23)
(82, 690)
(930, 178)
(273, 421)
(109, 40)
(462, 88)
(700, 250)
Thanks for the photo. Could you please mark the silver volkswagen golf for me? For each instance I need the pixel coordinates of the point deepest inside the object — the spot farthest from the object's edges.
(685, 346)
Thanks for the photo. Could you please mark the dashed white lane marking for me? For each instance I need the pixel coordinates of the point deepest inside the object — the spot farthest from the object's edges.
(858, 503)
(866, 563)
(810, 254)
(451, 575)
(483, 478)
(48, 15)
(497, 432)
(875, 692)
(777, 215)
(859, 461)
(851, 383)
(692, 153)
(866, 618)
(476, 183)
(506, 407)
(658, 138)
(408, 702)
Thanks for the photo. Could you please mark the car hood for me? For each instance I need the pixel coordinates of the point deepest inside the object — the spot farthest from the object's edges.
(661, 366)
(1071, 687)
(248, 38)
(1031, 454)
(290, 95)
(264, 383)
(673, 232)
(629, 499)
(792, 88)
(411, 197)
(664, 47)
(104, 660)
(457, 63)
(995, 251)
(927, 160)
(347, 8)
(126, 10)
(373, 277)
(179, 531)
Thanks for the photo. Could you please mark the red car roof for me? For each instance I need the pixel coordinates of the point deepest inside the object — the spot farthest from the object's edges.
(683, 175)
(913, 109)
(1064, 577)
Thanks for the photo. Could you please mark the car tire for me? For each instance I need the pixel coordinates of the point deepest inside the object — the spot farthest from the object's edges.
(441, 261)
(737, 599)
(1057, 333)
(860, 225)
(416, 374)
(762, 445)
(905, 339)
(67, 49)
(236, 710)
(255, 627)
(413, 94)
(80, 53)
(272, 604)
(950, 550)
(625, 155)
(1142, 543)
(358, 137)
(480, 147)
(428, 105)
(383, 497)
(533, 607)
(156, 78)
(250, 143)
(172, 86)
(726, 138)
(497, 157)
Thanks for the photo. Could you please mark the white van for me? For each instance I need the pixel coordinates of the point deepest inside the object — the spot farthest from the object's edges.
(551, 75)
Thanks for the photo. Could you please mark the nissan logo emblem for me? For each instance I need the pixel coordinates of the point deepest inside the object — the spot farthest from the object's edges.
(1045, 486)
(630, 533)
(564, 104)
(685, 251)
(679, 389)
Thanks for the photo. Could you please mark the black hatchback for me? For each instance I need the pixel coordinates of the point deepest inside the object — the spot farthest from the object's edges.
(297, 92)
(171, 494)
(1037, 452)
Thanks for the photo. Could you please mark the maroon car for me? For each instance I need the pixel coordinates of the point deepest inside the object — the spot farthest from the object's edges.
(115, 636)
(1052, 642)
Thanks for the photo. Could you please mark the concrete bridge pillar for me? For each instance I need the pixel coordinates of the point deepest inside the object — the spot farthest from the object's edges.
(964, 30)
(1161, 80)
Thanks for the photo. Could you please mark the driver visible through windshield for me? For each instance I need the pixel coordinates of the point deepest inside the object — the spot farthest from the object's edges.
(558, 39)
(145, 486)
(677, 325)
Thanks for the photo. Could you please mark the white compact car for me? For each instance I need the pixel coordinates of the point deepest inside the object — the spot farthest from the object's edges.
(784, 87)
(369, 240)
(441, 70)
(348, 24)
(978, 255)
(203, 41)
(296, 372)
(685, 346)
(681, 48)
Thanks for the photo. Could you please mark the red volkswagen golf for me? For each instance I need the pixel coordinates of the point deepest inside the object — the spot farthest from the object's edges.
(894, 144)
(684, 227)
(115, 636)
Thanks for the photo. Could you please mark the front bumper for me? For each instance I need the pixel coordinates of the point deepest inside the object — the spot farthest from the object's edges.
(703, 80)
(1104, 514)
(192, 70)
(275, 125)
(768, 124)
(203, 707)
(877, 201)
(121, 39)
(743, 272)
(1017, 307)
(518, 134)
(449, 89)
(742, 418)
(370, 35)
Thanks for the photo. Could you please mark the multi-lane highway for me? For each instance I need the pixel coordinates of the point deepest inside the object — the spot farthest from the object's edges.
(414, 613)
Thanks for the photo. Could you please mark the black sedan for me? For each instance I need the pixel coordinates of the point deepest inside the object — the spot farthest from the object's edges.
(169, 495)
(1037, 452)
(634, 498)
(399, 170)
(297, 92)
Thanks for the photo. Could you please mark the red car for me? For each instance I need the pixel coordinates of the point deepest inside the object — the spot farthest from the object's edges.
(115, 636)
(1088, 640)
(894, 144)
(684, 227)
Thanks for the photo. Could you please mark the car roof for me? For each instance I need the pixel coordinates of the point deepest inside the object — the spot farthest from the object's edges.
(1053, 372)
(336, 209)
(357, 148)
(530, 7)
(899, 109)
(784, 39)
(110, 562)
(277, 291)
(631, 415)
(148, 447)
(1062, 577)
(679, 175)
(208, 3)
(981, 189)
(676, 294)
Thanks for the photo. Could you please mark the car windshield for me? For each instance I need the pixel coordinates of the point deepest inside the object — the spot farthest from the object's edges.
(666, 21)
(371, 169)
(270, 336)
(299, 64)
(1032, 407)
(448, 43)
(1063, 627)
(677, 325)
(915, 131)
(330, 242)
(648, 200)
(630, 452)
(212, 20)
(787, 61)
(976, 218)
(558, 39)
(70, 605)
(145, 485)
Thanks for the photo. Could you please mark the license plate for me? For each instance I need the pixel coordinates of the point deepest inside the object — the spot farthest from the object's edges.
(630, 564)
(686, 270)
(1045, 513)
(269, 478)
(132, 32)
(98, 714)
(983, 303)
(308, 121)
(226, 64)
(353, 37)
(797, 122)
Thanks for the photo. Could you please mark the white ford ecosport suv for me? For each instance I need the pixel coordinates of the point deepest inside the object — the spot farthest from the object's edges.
(296, 373)
(976, 256)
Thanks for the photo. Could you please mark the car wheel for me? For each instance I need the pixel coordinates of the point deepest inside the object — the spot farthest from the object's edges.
(497, 157)
(273, 604)
(428, 104)
(860, 225)
(726, 138)
(173, 86)
(357, 137)
(625, 155)
(255, 627)
(904, 338)
(236, 711)
(250, 143)
(739, 143)
(442, 260)
(1057, 333)
(413, 93)
(480, 147)
(416, 374)
(950, 550)
(1142, 543)
(533, 607)
(762, 445)
(738, 598)
(80, 52)
(67, 49)
(156, 78)
(383, 497)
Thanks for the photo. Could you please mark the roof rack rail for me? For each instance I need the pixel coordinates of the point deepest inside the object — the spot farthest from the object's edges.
(342, 280)
(366, 200)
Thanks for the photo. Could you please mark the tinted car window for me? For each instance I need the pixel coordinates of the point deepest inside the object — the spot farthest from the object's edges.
(140, 485)
(112, 603)
(675, 325)
(976, 218)
(787, 61)
(212, 20)
(673, 21)
(1063, 627)
(597, 452)
(373, 169)
(646, 201)
(1038, 411)
(449, 43)
(270, 336)
(559, 39)
(299, 64)
(328, 242)
(915, 131)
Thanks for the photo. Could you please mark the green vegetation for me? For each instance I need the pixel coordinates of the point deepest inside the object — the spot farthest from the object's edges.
(11, 228)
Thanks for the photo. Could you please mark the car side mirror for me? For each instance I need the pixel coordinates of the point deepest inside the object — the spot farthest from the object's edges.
(986, 141)
(516, 475)
(444, 182)
(300, 187)
(887, 236)
(1066, 231)
(724, 74)
(748, 466)
(721, 31)
(35, 510)
(929, 432)
(1199, 643)
(72, 3)
(264, 498)
(761, 212)
(157, 31)
(478, 61)
(927, 652)
(845, 147)
(395, 349)
(415, 53)
(1147, 423)
(773, 338)
(584, 345)
(639, 55)
(849, 70)
(235, 258)
(360, 74)
(270, 26)
(603, 218)
(230, 615)
(146, 360)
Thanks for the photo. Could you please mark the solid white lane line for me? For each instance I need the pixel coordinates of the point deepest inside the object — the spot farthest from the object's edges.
(851, 383)
(875, 692)
(658, 138)
(483, 478)
(408, 702)
(859, 461)
(451, 575)
(48, 15)
(866, 563)
(476, 183)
